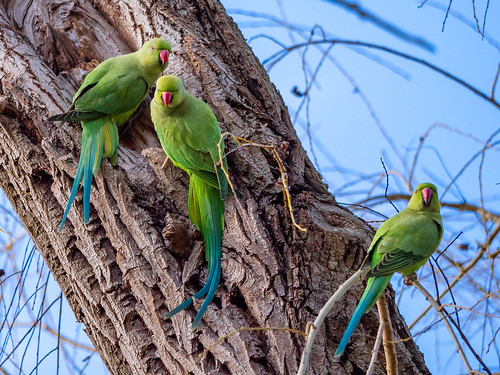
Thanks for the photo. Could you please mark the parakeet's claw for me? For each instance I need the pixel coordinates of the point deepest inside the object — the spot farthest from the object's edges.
(408, 280)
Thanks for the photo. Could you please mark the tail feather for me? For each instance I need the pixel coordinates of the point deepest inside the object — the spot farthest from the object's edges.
(206, 211)
(76, 183)
(189, 301)
(214, 282)
(88, 164)
(94, 162)
(213, 254)
(374, 289)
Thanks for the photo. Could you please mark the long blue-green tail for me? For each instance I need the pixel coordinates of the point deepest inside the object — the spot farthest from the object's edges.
(206, 211)
(99, 139)
(374, 289)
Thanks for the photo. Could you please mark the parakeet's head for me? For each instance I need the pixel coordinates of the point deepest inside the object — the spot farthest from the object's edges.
(424, 198)
(170, 91)
(155, 53)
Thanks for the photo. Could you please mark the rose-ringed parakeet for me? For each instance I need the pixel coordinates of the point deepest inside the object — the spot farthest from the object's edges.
(402, 244)
(109, 95)
(189, 133)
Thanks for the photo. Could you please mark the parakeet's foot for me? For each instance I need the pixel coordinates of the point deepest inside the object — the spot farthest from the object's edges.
(408, 280)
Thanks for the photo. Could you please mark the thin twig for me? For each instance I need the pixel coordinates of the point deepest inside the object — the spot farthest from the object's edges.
(376, 348)
(467, 22)
(438, 309)
(447, 13)
(495, 83)
(384, 25)
(466, 340)
(447, 283)
(63, 338)
(387, 185)
(463, 271)
(342, 289)
(475, 17)
(471, 310)
(59, 332)
(485, 15)
(276, 57)
(284, 175)
(27, 333)
(364, 208)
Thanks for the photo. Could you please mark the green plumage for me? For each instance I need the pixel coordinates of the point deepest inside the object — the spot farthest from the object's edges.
(109, 95)
(402, 244)
(189, 133)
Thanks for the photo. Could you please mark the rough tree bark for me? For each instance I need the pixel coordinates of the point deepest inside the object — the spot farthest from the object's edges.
(140, 256)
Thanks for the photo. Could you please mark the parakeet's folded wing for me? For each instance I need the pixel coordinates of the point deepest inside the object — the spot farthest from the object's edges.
(395, 261)
(200, 154)
(114, 94)
(410, 242)
(110, 89)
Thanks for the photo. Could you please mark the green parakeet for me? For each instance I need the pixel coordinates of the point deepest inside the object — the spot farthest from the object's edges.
(402, 244)
(109, 95)
(189, 133)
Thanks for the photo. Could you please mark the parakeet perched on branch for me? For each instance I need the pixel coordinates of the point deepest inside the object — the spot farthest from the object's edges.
(402, 244)
(109, 95)
(189, 133)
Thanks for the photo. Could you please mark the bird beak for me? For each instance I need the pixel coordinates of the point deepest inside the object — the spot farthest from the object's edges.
(166, 97)
(427, 195)
(163, 56)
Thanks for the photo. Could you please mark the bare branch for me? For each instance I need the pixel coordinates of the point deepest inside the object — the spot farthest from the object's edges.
(376, 347)
(436, 306)
(342, 289)
(275, 58)
(384, 25)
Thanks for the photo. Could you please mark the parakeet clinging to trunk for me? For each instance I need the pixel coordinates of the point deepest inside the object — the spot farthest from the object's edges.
(402, 244)
(189, 134)
(109, 95)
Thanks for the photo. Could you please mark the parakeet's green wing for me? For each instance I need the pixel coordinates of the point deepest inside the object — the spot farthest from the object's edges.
(208, 145)
(90, 81)
(111, 88)
(396, 251)
(114, 94)
(199, 154)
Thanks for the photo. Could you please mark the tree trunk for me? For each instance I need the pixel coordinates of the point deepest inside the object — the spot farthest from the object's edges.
(140, 256)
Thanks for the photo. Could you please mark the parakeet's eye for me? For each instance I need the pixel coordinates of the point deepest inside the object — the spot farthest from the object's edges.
(152, 48)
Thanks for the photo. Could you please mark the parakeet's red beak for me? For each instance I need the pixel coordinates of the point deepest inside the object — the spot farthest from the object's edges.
(427, 195)
(166, 97)
(164, 56)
